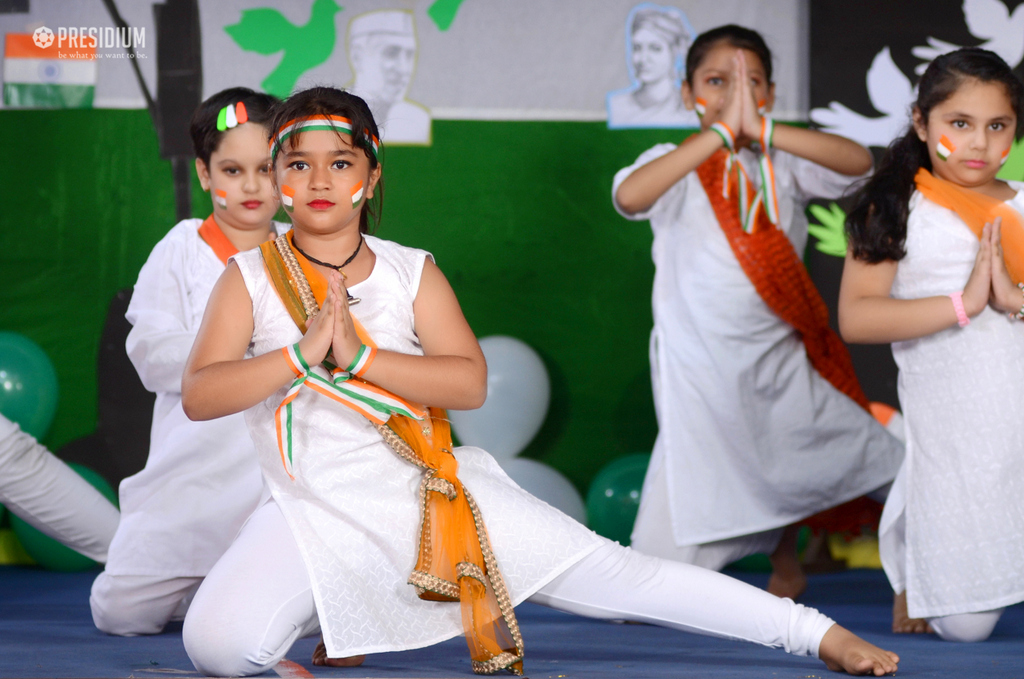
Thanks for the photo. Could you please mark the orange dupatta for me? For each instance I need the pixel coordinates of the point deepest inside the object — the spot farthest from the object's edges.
(976, 210)
(455, 561)
(781, 279)
(213, 236)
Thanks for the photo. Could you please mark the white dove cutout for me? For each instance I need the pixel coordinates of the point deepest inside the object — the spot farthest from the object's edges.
(890, 92)
(988, 20)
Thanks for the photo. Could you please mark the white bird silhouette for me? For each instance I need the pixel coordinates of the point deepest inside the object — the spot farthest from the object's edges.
(988, 20)
(891, 94)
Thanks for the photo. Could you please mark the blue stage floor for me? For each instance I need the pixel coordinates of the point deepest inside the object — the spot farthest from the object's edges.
(46, 631)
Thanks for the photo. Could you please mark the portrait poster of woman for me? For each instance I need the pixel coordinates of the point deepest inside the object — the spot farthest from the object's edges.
(657, 39)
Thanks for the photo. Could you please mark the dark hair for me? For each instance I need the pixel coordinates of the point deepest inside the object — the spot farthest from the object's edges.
(877, 225)
(203, 128)
(736, 36)
(329, 101)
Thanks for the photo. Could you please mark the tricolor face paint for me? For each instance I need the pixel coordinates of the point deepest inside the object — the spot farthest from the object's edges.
(945, 148)
(287, 197)
(1004, 157)
(700, 106)
(357, 194)
(221, 198)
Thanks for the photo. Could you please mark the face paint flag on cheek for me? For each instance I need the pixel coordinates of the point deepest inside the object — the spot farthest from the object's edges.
(700, 106)
(287, 197)
(1004, 157)
(221, 197)
(357, 194)
(945, 148)
(762, 106)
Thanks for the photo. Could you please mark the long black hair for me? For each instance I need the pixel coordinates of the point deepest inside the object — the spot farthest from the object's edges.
(330, 101)
(877, 225)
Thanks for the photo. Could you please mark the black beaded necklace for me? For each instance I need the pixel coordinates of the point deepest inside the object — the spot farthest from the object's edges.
(336, 267)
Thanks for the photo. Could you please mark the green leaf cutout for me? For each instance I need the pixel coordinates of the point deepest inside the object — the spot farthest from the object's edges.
(830, 229)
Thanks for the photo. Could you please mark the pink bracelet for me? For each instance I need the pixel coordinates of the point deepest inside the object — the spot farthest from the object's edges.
(958, 306)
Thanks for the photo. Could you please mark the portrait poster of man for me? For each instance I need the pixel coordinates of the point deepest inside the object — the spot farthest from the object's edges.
(382, 52)
(657, 39)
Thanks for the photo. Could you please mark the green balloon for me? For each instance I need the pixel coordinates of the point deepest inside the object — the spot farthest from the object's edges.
(46, 551)
(28, 384)
(614, 497)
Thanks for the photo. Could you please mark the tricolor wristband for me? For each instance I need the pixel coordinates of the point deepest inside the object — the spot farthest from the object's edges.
(361, 363)
(958, 306)
(767, 132)
(723, 131)
(293, 356)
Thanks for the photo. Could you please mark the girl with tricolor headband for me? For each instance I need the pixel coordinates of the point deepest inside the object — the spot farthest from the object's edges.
(377, 531)
(201, 480)
(762, 422)
(935, 266)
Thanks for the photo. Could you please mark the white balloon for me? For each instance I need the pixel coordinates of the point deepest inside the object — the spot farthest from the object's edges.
(518, 393)
(546, 483)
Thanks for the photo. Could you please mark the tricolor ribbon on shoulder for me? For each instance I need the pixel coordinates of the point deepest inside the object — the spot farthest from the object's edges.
(345, 387)
(734, 174)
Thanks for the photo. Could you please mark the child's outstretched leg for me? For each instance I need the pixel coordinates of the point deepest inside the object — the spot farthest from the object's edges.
(615, 583)
(788, 579)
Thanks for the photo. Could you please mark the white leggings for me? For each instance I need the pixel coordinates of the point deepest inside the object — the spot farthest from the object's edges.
(50, 496)
(256, 602)
(129, 605)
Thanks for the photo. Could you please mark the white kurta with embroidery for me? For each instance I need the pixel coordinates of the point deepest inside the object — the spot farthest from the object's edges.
(750, 436)
(353, 504)
(201, 480)
(961, 488)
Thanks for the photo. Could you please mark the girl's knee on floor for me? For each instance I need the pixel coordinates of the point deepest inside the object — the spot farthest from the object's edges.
(966, 627)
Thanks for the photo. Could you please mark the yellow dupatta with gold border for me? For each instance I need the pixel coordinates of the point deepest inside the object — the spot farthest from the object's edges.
(455, 560)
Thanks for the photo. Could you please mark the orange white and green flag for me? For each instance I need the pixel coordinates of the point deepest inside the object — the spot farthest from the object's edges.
(38, 76)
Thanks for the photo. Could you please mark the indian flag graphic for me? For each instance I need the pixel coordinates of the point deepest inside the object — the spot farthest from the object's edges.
(47, 77)
(1004, 157)
(357, 194)
(287, 197)
(221, 196)
(945, 148)
(701, 106)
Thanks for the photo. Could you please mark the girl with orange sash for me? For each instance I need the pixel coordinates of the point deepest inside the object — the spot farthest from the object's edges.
(761, 420)
(344, 349)
(935, 267)
(201, 480)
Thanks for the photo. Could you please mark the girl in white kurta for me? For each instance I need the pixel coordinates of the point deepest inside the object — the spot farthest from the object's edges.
(335, 546)
(201, 479)
(952, 533)
(751, 436)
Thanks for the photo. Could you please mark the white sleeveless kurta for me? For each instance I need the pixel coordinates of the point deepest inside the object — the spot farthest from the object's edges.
(353, 505)
(961, 487)
(750, 436)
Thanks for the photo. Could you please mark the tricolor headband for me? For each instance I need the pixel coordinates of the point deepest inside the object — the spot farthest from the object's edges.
(232, 115)
(321, 123)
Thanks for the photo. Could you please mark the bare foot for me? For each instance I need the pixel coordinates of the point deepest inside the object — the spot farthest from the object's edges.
(902, 623)
(843, 651)
(320, 658)
(787, 579)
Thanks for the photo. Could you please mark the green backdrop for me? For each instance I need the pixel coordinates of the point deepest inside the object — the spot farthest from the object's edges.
(518, 215)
